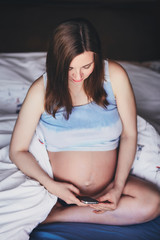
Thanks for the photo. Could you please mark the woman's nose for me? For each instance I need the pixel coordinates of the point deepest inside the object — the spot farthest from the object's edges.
(78, 75)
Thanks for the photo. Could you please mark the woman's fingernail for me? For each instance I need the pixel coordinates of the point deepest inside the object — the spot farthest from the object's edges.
(96, 211)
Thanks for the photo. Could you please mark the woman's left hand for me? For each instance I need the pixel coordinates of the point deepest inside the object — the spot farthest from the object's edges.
(108, 201)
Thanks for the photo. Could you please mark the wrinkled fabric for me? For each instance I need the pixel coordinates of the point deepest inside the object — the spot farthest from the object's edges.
(24, 203)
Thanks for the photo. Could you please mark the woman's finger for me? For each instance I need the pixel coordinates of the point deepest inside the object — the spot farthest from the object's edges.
(98, 206)
(99, 211)
(105, 207)
(79, 203)
(95, 207)
(105, 198)
(74, 189)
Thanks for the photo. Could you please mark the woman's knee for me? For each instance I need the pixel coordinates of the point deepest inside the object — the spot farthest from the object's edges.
(149, 204)
(147, 197)
(153, 205)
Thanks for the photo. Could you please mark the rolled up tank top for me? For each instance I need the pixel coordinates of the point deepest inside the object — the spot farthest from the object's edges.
(90, 127)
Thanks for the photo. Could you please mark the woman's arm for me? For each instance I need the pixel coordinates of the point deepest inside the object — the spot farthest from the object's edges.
(127, 110)
(24, 129)
(27, 121)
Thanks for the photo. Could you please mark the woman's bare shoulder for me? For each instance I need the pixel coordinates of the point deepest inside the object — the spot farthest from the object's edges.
(28, 118)
(116, 70)
(35, 96)
(38, 85)
(37, 88)
(118, 76)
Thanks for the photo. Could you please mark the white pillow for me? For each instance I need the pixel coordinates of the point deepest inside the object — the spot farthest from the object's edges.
(12, 96)
(18, 71)
(146, 86)
(147, 160)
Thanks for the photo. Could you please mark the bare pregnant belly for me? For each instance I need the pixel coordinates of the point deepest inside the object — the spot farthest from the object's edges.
(89, 171)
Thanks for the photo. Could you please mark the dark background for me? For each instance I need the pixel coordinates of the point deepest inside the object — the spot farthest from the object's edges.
(129, 29)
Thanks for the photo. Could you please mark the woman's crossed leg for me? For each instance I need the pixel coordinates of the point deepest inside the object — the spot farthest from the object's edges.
(139, 203)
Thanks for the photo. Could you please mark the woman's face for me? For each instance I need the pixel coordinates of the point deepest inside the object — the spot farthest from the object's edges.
(81, 67)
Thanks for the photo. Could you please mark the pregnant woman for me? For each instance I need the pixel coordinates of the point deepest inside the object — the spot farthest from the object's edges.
(85, 109)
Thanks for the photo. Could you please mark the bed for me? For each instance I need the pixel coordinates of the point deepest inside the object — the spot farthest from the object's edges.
(22, 62)
(19, 70)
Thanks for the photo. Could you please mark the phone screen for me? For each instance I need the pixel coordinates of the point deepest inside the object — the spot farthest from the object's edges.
(87, 200)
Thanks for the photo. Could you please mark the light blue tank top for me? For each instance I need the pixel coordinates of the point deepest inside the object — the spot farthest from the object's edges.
(90, 127)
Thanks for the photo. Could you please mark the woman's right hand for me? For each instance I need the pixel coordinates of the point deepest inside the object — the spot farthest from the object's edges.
(67, 192)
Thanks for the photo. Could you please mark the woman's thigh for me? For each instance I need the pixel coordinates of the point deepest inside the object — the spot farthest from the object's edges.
(139, 188)
(145, 197)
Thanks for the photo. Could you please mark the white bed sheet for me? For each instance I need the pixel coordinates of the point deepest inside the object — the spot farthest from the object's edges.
(7, 122)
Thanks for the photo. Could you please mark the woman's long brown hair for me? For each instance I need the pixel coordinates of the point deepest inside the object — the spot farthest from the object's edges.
(70, 39)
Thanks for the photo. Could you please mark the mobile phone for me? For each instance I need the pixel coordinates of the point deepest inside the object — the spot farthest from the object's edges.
(87, 200)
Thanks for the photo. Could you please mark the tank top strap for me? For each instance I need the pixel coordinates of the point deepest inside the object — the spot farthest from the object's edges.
(45, 79)
(106, 71)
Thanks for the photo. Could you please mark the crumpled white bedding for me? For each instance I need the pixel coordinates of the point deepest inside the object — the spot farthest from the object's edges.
(7, 122)
(147, 160)
(24, 203)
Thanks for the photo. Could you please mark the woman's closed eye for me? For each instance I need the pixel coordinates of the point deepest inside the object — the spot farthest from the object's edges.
(84, 67)
(87, 66)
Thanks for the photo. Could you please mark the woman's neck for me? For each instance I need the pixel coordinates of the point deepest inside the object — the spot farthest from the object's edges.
(78, 95)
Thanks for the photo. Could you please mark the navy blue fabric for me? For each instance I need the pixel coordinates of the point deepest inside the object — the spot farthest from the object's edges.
(89, 231)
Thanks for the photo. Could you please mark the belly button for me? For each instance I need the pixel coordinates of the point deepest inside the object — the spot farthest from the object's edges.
(87, 184)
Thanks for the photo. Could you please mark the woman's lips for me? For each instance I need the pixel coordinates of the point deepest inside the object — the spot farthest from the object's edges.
(78, 80)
